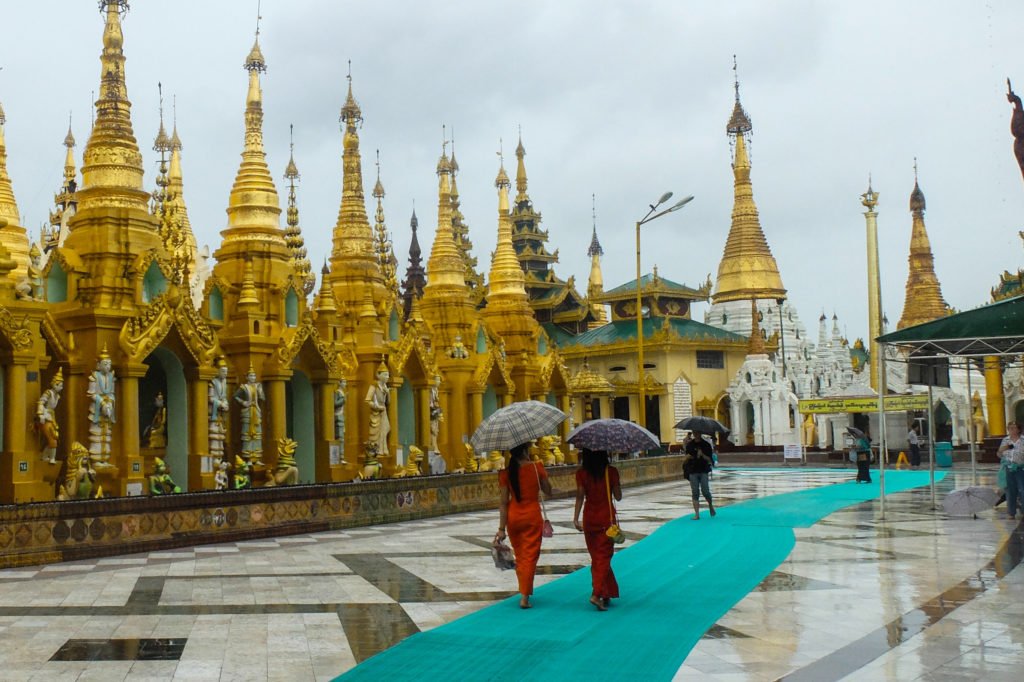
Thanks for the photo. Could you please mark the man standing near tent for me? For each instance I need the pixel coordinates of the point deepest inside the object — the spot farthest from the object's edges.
(915, 446)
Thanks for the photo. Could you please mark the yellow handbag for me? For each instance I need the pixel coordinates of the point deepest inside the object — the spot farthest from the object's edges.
(614, 532)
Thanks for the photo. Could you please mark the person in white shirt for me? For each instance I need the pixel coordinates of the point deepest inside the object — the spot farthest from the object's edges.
(1011, 451)
(915, 446)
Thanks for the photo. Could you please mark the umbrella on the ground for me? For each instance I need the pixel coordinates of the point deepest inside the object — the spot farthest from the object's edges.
(855, 432)
(516, 424)
(969, 501)
(700, 424)
(612, 435)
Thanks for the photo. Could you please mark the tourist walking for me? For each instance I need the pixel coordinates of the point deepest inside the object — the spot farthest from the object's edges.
(520, 516)
(1011, 452)
(597, 482)
(697, 470)
(863, 457)
(914, 441)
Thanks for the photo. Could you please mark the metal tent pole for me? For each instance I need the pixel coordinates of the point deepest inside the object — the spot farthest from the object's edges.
(882, 449)
(970, 427)
(931, 445)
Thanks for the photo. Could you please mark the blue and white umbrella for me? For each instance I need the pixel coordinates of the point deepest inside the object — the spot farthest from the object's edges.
(516, 424)
(612, 435)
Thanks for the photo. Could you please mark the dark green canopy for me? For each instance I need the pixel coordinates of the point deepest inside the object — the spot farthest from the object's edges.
(995, 329)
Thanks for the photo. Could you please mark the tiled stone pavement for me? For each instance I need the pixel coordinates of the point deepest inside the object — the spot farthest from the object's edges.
(916, 596)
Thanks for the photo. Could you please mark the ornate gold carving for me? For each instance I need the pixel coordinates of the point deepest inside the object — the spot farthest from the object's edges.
(144, 332)
(17, 332)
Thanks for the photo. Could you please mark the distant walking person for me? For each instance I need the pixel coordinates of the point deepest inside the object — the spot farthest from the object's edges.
(863, 450)
(520, 514)
(597, 482)
(1011, 451)
(697, 470)
(915, 446)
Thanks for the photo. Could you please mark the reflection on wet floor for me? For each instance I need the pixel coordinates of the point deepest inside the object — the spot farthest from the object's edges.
(914, 595)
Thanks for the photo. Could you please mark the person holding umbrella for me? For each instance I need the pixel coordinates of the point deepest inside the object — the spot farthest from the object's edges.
(520, 517)
(597, 482)
(697, 470)
(862, 448)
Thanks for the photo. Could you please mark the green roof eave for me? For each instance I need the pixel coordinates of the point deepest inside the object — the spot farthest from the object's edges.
(994, 329)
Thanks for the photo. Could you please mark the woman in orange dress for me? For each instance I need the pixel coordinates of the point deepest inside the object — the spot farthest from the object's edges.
(592, 489)
(521, 516)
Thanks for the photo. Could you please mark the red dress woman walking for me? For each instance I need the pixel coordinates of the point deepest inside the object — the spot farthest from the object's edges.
(596, 482)
(521, 515)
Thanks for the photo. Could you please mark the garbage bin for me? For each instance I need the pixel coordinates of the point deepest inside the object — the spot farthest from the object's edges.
(944, 454)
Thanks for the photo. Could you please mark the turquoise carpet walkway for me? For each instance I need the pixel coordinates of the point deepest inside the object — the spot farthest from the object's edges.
(676, 584)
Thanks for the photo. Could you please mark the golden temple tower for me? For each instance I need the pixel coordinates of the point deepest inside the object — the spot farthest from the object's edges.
(64, 201)
(747, 269)
(595, 283)
(13, 235)
(293, 233)
(923, 301)
(508, 310)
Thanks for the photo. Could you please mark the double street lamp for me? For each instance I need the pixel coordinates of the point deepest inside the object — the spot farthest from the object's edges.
(652, 214)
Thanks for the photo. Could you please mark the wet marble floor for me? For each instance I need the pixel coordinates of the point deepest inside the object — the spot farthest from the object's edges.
(916, 595)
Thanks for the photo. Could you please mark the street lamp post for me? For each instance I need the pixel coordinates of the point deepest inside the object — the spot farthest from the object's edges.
(651, 215)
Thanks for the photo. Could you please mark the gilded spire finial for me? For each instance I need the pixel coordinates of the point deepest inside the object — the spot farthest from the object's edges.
(301, 266)
(756, 344)
(162, 143)
(507, 282)
(521, 182)
(254, 62)
(870, 198)
(386, 260)
(917, 203)
(351, 114)
(923, 301)
(175, 140)
(378, 188)
(739, 122)
(69, 139)
(595, 246)
(502, 179)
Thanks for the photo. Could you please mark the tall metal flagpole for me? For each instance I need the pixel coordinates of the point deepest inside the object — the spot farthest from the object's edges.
(970, 426)
(931, 443)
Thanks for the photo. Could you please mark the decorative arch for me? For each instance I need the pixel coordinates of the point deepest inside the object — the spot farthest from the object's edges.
(411, 344)
(144, 332)
(340, 361)
(492, 362)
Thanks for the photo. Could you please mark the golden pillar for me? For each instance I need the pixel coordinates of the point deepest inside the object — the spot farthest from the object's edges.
(476, 409)
(276, 427)
(423, 419)
(391, 463)
(129, 459)
(994, 398)
(455, 403)
(870, 199)
(323, 426)
(200, 468)
(506, 398)
(16, 483)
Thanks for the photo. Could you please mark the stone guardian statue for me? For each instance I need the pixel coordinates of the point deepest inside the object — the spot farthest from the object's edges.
(101, 409)
(46, 417)
(219, 408)
(249, 395)
(377, 397)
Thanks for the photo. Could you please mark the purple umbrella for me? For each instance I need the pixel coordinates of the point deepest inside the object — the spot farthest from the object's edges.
(612, 435)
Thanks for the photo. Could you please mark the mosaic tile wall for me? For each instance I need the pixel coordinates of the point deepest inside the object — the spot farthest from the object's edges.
(42, 533)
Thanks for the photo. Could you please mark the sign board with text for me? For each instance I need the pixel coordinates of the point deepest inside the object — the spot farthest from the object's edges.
(792, 452)
(893, 403)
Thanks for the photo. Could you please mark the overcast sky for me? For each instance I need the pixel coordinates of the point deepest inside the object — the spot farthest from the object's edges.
(621, 100)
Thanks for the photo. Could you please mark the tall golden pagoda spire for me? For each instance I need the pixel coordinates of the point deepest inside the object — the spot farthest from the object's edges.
(595, 283)
(507, 282)
(923, 301)
(521, 170)
(352, 251)
(169, 208)
(747, 268)
(13, 235)
(64, 200)
(293, 233)
(755, 346)
(176, 187)
(112, 164)
(382, 240)
(253, 207)
(446, 304)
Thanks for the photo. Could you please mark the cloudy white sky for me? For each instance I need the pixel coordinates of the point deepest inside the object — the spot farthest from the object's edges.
(620, 100)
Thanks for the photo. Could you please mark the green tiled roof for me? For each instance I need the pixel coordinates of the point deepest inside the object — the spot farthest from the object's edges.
(648, 281)
(625, 330)
(559, 336)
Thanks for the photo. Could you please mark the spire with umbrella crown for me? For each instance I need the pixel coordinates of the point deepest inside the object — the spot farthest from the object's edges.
(924, 301)
(415, 276)
(293, 233)
(747, 268)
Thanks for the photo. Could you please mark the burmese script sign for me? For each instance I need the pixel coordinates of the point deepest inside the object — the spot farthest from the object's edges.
(893, 403)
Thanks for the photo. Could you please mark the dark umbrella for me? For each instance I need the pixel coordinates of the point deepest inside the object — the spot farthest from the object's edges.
(612, 435)
(855, 432)
(703, 425)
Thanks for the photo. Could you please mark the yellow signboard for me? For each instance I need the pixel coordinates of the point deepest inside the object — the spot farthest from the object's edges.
(893, 403)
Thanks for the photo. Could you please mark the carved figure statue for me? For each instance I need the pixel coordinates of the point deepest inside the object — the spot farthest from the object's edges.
(541, 451)
(46, 417)
(1016, 125)
(371, 466)
(243, 474)
(286, 472)
(412, 466)
(340, 398)
(378, 397)
(436, 414)
(101, 409)
(220, 479)
(80, 475)
(495, 461)
(458, 350)
(979, 426)
(156, 433)
(219, 409)
(469, 463)
(810, 430)
(160, 482)
(249, 395)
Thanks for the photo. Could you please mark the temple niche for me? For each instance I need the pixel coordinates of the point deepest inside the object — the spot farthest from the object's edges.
(182, 369)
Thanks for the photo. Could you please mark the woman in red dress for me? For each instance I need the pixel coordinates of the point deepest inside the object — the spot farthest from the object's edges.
(592, 487)
(520, 514)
